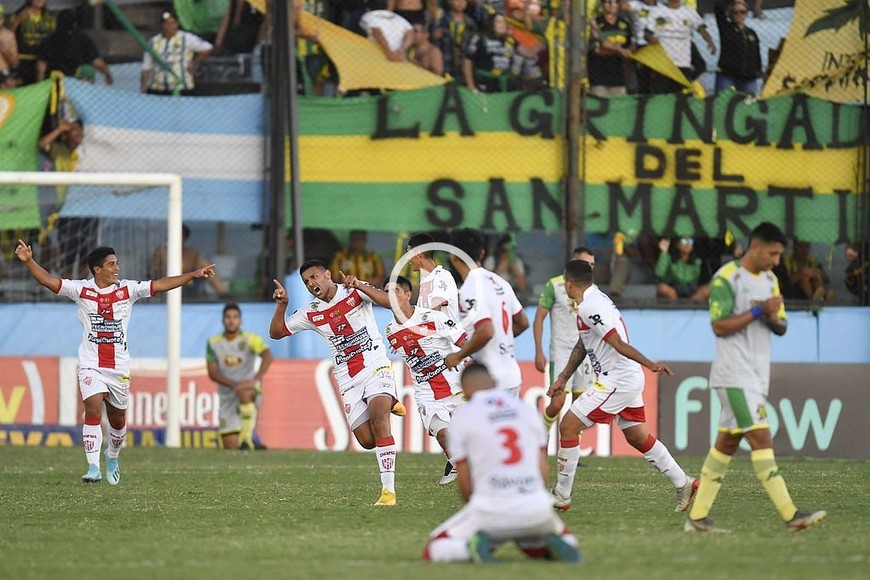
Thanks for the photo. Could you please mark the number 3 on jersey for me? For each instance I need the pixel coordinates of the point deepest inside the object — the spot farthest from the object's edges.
(509, 442)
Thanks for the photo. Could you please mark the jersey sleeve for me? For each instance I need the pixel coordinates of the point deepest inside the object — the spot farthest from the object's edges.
(721, 299)
(140, 290)
(781, 315)
(296, 322)
(548, 295)
(256, 343)
(70, 288)
(449, 329)
(210, 354)
(472, 308)
(601, 320)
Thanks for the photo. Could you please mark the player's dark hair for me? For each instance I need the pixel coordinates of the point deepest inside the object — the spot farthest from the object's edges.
(469, 241)
(403, 282)
(473, 369)
(417, 240)
(582, 250)
(313, 263)
(232, 306)
(98, 256)
(768, 233)
(578, 272)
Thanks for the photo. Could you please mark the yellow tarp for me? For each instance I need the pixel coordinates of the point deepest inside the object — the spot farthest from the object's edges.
(824, 54)
(361, 63)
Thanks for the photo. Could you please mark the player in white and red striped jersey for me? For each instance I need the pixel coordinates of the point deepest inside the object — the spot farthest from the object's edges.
(104, 306)
(490, 312)
(500, 447)
(423, 338)
(437, 288)
(342, 314)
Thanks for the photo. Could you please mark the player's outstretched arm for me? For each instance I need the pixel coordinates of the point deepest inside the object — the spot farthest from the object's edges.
(40, 274)
(629, 351)
(172, 282)
(538, 334)
(377, 295)
(520, 323)
(276, 327)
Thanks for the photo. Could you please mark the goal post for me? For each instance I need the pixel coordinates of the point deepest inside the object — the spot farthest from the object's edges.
(172, 183)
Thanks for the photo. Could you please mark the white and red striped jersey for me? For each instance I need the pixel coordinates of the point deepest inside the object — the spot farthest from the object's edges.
(501, 437)
(423, 341)
(487, 296)
(437, 287)
(348, 324)
(597, 318)
(105, 314)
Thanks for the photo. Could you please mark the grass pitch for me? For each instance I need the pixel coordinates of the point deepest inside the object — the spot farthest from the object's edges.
(282, 514)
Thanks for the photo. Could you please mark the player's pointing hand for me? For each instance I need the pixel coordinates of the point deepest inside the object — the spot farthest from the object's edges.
(23, 251)
(279, 295)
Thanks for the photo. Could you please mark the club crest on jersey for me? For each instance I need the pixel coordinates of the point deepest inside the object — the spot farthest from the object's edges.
(312, 306)
(119, 293)
(350, 301)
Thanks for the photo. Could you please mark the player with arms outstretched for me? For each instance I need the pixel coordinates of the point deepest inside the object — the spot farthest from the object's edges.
(104, 305)
(342, 315)
(617, 392)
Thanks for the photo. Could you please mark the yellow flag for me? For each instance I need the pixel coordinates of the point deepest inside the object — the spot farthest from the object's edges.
(361, 63)
(653, 56)
(824, 53)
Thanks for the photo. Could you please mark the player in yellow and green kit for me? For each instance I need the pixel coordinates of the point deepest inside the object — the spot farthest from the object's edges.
(745, 307)
(232, 357)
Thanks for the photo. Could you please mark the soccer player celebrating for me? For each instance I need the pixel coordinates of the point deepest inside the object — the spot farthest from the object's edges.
(104, 305)
(343, 316)
(232, 357)
(490, 311)
(423, 338)
(437, 287)
(745, 307)
(556, 303)
(500, 449)
(617, 392)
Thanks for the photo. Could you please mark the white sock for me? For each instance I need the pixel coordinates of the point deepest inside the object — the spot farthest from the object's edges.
(448, 550)
(116, 440)
(660, 458)
(92, 439)
(566, 466)
(385, 451)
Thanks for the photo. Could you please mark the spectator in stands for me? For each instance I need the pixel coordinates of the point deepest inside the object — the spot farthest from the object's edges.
(425, 54)
(858, 271)
(672, 25)
(757, 11)
(69, 50)
(413, 11)
(390, 31)
(612, 42)
(358, 261)
(553, 28)
(452, 33)
(531, 48)
(348, 13)
(488, 64)
(32, 24)
(189, 256)
(61, 143)
(241, 28)
(740, 58)
(806, 279)
(637, 12)
(316, 73)
(678, 273)
(8, 55)
(505, 262)
(181, 51)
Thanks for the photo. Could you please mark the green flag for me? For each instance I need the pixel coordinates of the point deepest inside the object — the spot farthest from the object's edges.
(21, 113)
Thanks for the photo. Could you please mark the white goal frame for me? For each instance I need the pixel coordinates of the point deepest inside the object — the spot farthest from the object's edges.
(173, 264)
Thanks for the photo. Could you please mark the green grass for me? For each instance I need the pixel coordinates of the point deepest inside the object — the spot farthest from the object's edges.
(276, 514)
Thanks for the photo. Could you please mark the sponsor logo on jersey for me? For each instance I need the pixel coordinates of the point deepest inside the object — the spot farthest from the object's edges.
(317, 318)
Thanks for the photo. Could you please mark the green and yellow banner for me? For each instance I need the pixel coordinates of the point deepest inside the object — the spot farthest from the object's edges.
(669, 164)
(21, 113)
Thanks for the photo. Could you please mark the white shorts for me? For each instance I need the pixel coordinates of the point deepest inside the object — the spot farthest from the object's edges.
(507, 524)
(603, 402)
(362, 388)
(115, 383)
(436, 414)
(742, 410)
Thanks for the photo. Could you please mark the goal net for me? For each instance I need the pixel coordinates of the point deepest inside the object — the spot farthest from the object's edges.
(66, 215)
